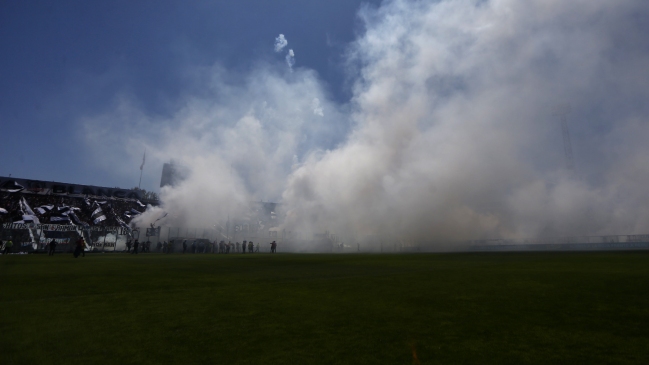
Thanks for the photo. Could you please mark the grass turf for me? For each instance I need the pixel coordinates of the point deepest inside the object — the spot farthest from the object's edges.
(495, 308)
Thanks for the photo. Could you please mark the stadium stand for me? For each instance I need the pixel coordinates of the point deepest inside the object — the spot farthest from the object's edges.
(85, 211)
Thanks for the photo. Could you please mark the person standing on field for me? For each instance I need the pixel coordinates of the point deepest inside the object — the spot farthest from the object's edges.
(78, 247)
(7, 247)
(136, 245)
(81, 248)
(52, 247)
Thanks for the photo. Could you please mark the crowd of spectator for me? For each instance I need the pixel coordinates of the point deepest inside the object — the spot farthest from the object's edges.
(18, 207)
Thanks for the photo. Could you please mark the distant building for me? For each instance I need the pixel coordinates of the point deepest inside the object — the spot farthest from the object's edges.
(172, 174)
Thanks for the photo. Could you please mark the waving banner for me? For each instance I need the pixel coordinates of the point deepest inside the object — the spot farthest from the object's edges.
(66, 228)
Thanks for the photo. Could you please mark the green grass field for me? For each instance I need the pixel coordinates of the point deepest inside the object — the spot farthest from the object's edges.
(496, 308)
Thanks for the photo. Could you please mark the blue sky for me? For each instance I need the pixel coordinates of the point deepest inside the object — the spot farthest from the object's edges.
(63, 60)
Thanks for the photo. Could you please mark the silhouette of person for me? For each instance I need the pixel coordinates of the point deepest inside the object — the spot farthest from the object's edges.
(7, 247)
(52, 247)
(78, 249)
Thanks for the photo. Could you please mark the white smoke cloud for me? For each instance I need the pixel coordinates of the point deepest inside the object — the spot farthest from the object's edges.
(453, 134)
(290, 59)
(280, 43)
(236, 136)
(317, 108)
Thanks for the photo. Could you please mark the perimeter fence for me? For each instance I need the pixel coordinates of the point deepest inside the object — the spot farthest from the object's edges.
(33, 238)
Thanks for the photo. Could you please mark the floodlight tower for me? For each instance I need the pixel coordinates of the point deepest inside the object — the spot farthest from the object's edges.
(562, 111)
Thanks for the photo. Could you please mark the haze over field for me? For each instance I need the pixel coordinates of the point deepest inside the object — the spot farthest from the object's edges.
(449, 132)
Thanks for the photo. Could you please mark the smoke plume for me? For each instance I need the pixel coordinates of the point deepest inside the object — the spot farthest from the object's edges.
(280, 43)
(455, 137)
(449, 135)
(290, 59)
